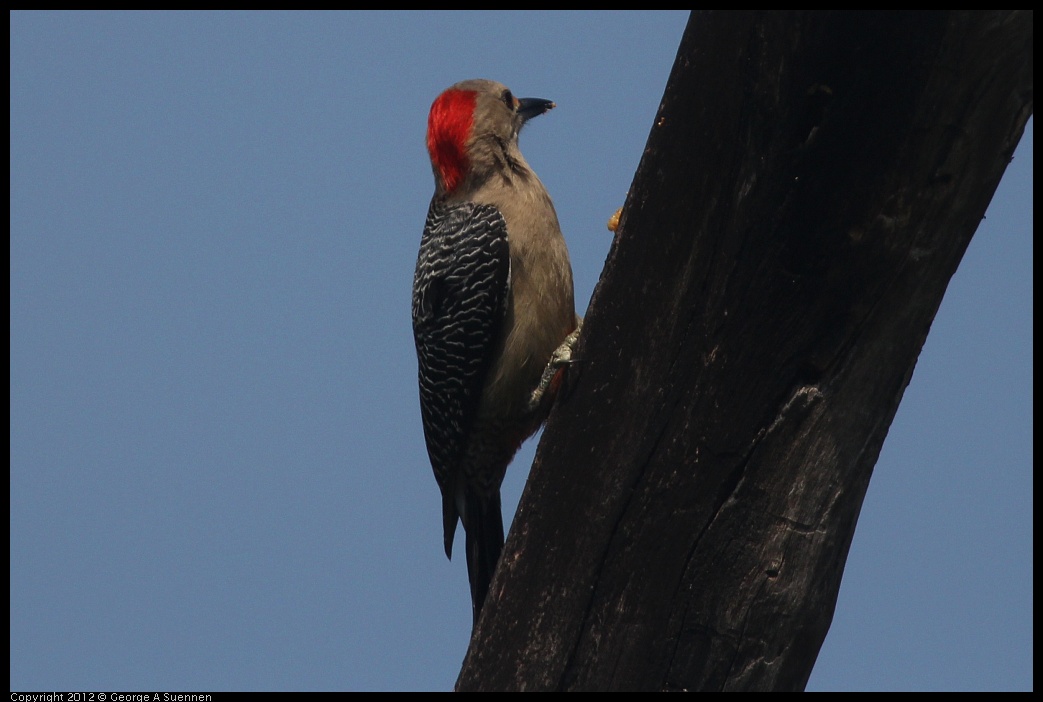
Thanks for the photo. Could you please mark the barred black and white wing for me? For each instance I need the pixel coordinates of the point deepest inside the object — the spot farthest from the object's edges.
(460, 295)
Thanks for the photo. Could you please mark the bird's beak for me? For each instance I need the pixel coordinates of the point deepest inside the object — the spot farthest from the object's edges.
(533, 107)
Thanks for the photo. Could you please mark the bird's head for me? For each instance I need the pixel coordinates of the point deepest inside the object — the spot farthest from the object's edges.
(474, 126)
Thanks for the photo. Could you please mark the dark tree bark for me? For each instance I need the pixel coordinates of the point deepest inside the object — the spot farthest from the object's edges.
(808, 189)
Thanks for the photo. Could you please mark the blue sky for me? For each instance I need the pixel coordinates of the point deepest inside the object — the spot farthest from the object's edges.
(218, 473)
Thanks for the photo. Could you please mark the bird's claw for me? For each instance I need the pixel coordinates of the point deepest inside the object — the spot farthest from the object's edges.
(561, 357)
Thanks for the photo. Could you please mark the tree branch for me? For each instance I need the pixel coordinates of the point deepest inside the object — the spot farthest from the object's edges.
(809, 187)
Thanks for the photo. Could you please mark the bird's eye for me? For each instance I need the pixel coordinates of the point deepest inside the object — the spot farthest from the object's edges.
(508, 99)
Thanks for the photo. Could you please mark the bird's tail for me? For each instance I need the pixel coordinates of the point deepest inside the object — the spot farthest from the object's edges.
(484, 527)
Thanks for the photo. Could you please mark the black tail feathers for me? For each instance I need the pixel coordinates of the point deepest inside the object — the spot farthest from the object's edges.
(484, 527)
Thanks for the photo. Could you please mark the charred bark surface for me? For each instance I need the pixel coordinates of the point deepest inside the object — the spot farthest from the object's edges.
(808, 189)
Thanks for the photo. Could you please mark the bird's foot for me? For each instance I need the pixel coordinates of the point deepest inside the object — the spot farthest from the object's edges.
(561, 358)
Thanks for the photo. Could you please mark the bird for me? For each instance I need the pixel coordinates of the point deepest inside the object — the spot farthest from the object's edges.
(492, 307)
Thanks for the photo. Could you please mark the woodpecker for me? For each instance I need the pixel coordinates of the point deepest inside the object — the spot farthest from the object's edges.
(492, 303)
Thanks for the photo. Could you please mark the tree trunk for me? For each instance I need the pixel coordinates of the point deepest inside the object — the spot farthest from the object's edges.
(809, 187)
